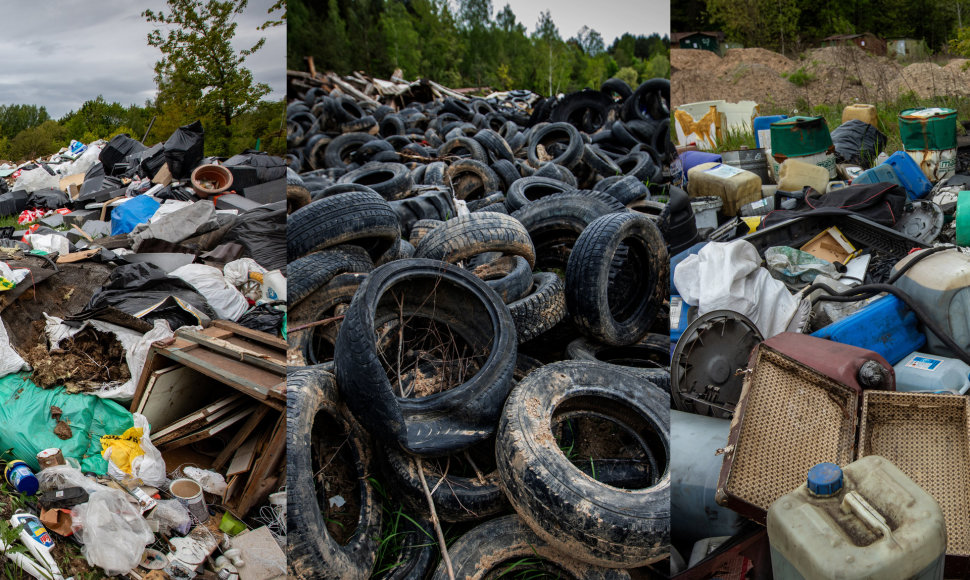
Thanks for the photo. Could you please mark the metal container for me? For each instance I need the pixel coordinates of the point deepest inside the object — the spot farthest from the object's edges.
(753, 160)
(930, 139)
(804, 138)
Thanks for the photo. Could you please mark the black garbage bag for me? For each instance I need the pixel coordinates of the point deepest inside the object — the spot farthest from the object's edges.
(145, 291)
(268, 167)
(148, 162)
(183, 150)
(117, 150)
(48, 199)
(261, 232)
(878, 202)
(857, 142)
(264, 318)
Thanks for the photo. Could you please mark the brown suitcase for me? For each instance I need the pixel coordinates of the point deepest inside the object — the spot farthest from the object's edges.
(927, 436)
(798, 407)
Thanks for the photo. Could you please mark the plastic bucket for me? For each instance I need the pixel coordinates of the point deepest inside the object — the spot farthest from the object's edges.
(705, 210)
(189, 494)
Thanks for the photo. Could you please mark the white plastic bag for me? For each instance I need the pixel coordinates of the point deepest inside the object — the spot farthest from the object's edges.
(36, 179)
(227, 302)
(65, 476)
(112, 530)
(729, 276)
(49, 243)
(171, 515)
(210, 481)
(150, 467)
(237, 271)
(10, 360)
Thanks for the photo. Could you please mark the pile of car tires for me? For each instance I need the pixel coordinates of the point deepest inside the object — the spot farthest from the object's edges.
(477, 316)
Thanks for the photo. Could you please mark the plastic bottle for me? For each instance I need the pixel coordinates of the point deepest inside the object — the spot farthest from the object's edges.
(19, 475)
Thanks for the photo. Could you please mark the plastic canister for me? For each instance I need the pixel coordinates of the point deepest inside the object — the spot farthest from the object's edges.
(940, 286)
(736, 187)
(963, 218)
(879, 174)
(860, 111)
(925, 372)
(679, 318)
(885, 326)
(909, 174)
(930, 138)
(762, 130)
(274, 286)
(866, 520)
(804, 138)
(694, 470)
(19, 475)
(793, 175)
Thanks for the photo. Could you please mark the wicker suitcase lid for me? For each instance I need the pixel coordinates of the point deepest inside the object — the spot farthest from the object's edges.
(789, 417)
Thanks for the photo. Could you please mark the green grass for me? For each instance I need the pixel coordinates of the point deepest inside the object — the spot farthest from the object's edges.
(887, 114)
(10, 220)
(800, 77)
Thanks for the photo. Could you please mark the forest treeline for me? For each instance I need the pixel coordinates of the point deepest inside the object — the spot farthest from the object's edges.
(464, 44)
(801, 24)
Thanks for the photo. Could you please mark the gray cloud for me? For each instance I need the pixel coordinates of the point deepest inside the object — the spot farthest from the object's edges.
(60, 53)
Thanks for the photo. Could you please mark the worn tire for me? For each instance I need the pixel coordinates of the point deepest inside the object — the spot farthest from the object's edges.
(314, 553)
(586, 110)
(556, 221)
(617, 87)
(465, 236)
(551, 134)
(316, 344)
(541, 309)
(507, 172)
(640, 165)
(627, 189)
(528, 189)
(482, 551)
(390, 180)
(493, 143)
(422, 228)
(338, 152)
(471, 179)
(463, 147)
(456, 498)
(442, 422)
(358, 218)
(307, 274)
(509, 276)
(651, 100)
(649, 357)
(598, 306)
(578, 515)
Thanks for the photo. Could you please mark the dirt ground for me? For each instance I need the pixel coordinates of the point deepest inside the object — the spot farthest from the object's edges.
(840, 75)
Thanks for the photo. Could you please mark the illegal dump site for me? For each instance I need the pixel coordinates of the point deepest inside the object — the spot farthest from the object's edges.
(143, 361)
(820, 332)
(478, 329)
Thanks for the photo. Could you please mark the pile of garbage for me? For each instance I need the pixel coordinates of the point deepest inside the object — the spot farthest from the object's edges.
(478, 332)
(822, 352)
(121, 258)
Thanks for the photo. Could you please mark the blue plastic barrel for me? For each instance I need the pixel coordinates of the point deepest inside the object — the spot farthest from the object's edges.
(886, 326)
(764, 124)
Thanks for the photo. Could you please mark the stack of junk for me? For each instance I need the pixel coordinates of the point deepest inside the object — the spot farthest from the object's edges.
(479, 330)
(820, 362)
(143, 360)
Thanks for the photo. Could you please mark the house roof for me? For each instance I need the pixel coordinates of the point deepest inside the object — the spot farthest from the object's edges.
(848, 36)
(677, 36)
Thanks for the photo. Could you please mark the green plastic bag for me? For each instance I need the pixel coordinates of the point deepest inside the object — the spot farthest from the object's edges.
(27, 427)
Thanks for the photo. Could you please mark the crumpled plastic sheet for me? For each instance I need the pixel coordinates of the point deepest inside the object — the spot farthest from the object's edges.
(793, 265)
(112, 530)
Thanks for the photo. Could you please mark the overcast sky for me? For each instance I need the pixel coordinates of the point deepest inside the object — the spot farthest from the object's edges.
(60, 53)
(611, 18)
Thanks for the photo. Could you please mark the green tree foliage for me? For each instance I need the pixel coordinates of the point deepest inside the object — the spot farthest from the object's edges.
(16, 118)
(801, 23)
(461, 43)
(200, 66)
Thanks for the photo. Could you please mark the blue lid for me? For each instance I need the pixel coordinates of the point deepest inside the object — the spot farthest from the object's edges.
(825, 479)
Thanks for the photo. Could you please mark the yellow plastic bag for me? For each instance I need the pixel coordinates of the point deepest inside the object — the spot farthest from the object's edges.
(122, 450)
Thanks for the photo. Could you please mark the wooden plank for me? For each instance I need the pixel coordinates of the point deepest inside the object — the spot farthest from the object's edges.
(150, 385)
(255, 382)
(200, 423)
(261, 480)
(199, 415)
(153, 362)
(242, 461)
(261, 337)
(209, 431)
(240, 437)
(243, 354)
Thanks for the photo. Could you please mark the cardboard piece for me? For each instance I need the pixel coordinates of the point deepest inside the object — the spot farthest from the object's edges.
(58, 521)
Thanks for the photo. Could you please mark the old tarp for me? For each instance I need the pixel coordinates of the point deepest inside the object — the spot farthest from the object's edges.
(26, 425)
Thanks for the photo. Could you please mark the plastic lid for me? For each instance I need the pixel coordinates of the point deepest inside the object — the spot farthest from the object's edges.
(825, 479)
